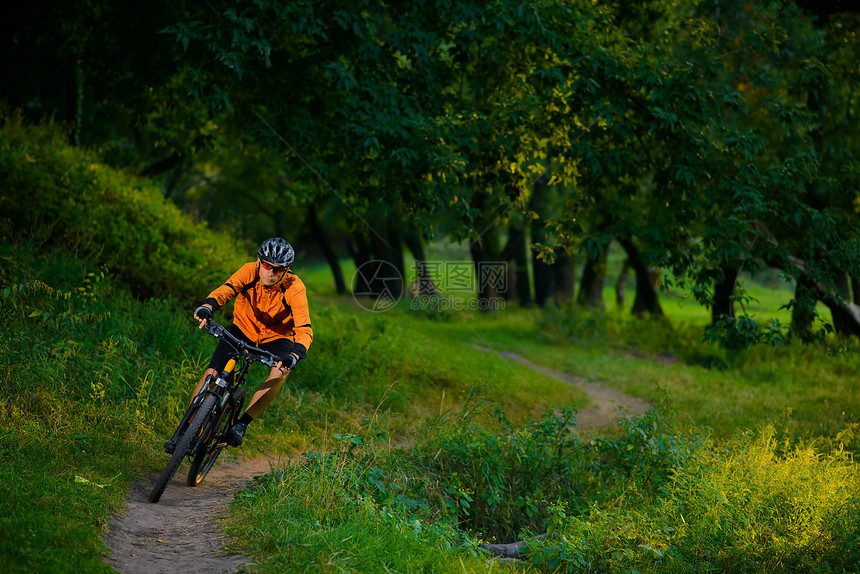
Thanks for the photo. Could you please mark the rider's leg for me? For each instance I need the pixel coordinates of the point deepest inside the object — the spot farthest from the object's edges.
(261, 399)
(266, 393)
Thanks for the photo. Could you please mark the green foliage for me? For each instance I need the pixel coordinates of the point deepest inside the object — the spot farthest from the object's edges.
(496, 483)
(64, 197)
(341, 510)
(649, 449)
(90, 379)
(751, 505)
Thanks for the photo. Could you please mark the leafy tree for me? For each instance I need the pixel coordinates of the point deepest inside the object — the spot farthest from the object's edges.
(691, 136)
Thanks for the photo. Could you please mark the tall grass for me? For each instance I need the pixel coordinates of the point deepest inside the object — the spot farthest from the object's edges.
(749, 505)
(337, 512)
(658, 498)
(89, 378)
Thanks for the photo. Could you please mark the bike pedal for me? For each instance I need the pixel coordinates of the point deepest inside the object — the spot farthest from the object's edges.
(169, 447)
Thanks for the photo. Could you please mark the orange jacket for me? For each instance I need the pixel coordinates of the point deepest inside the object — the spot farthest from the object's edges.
(264, 314)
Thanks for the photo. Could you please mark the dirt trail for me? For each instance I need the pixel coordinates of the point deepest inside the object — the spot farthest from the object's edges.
(606, 401)
(182, 532)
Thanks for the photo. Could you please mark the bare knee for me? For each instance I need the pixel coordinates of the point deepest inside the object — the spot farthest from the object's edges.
(276, 377)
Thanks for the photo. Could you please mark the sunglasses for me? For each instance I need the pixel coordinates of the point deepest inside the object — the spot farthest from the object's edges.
(273, 268)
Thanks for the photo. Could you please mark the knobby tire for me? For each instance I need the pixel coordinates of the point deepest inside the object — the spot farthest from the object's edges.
(207, 453)
(209, 450)
(188, 437)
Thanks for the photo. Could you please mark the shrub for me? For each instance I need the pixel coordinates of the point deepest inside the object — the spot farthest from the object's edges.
(64, 197)
(341, 511)
(752, 505)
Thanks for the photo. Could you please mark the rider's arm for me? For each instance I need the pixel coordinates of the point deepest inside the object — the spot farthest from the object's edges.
(220, 296)
(303, 333)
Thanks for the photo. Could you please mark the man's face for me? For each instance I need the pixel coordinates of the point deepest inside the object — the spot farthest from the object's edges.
(270, 274)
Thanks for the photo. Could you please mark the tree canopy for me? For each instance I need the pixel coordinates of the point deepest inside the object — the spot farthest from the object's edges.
(707, 138)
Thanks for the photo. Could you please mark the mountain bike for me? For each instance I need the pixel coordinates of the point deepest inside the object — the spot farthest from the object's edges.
(217, 407)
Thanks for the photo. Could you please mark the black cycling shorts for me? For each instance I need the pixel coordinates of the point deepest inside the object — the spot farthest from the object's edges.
(278, 347)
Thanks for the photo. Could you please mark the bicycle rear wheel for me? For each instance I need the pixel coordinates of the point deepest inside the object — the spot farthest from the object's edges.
(214, 443)
(185, 441)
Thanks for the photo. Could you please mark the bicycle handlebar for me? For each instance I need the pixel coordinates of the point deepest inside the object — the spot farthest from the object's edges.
(218, 331)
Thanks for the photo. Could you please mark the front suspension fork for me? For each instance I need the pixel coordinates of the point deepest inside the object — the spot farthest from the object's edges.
(192, 410)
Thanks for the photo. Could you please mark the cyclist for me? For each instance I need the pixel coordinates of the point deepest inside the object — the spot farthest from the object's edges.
(271, 312)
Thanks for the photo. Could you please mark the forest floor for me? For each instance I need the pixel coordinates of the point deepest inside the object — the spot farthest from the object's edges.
(181, 534)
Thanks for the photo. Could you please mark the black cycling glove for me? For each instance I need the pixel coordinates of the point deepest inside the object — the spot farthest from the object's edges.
(203, 312)
(289, 361)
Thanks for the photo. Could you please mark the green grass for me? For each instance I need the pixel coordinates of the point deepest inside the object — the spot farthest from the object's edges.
(80, 366)
(312, 517)
(754, 504)
(93, 380)
(710, 386)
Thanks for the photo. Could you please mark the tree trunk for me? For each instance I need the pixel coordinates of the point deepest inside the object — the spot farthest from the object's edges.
(809, 287)
(593, 278)
(516, 252)
(841, 321)
(359, 250)
(542, 273)
(386, 264)
(563, 278)
(488, 273)
(486, 257)
(394, 249)
(846, 314)
(724, 289)
(855, 290)
(544, 279)
(424, 284)
(647, 279)
(325, 245)
(803, 310)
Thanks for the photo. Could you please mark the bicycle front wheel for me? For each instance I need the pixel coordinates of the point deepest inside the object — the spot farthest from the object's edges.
(214, 443)
(188, 438)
